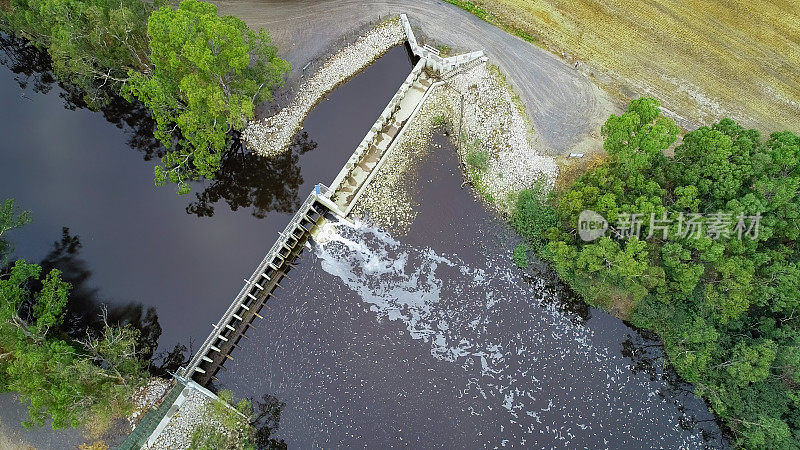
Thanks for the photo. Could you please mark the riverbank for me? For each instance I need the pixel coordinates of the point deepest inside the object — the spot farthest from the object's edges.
(271, 136)
(495, 144)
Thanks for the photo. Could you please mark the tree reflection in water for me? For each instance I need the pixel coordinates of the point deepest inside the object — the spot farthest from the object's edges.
(267, 417)
(646, 355)
(245, 180)
(30, 65)
(83, 310)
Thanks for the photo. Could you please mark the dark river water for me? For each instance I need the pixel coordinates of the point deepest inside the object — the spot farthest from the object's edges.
(436, 339)
(142, 245)
(433, 339)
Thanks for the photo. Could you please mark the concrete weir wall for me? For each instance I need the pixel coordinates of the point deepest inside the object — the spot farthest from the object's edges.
(270, 136)
(379, 141)
(433, 61)
(374, 132)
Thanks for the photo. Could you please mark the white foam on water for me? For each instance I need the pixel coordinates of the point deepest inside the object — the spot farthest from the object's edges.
(499, 327)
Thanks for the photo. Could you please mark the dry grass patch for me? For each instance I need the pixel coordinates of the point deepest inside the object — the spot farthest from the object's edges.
(703, 59)
(569, 169)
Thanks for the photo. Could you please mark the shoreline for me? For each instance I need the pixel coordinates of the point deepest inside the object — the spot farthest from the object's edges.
(272, 135)
(493, 129)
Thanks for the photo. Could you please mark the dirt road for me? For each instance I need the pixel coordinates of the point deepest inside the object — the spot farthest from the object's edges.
(565, 107)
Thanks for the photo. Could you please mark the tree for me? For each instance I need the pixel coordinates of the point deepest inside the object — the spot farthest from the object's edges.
(93, 44)
(207, 74)
(636, 138)
(198, 74)
(231, 428)
(693, 349)
(533, 216)
(68, 382)
(10, 220)
(727, 309)
(750, 363)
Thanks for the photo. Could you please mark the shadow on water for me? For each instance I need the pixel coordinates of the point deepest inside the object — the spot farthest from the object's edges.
(86, 313)
(266, 419)
(32, 69)
(247, 180)
(242, 181)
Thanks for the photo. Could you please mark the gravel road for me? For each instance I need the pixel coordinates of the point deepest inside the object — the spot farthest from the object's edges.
(13, 436)
(565, 107)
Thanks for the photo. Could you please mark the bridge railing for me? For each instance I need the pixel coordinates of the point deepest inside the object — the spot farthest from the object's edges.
(431, 56)
(320, 192)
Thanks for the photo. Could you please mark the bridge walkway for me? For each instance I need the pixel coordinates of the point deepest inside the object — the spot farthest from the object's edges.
(261, 285)
(348, 190)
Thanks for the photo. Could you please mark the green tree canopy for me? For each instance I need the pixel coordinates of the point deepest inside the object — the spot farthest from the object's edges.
(200, 75)
(728, 310)
(68, 382)
(93, 44)
(9, 220)
(207, 74)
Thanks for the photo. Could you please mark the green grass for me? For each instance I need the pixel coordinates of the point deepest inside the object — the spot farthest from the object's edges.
(482, 14)
(444, 50)
(477, 160)
(520, 256)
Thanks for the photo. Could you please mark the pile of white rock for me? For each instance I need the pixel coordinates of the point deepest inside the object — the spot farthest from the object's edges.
(148, 396)
(390, 199)
(178, 432)
(273, 135)
(495, 122)
(492, 123)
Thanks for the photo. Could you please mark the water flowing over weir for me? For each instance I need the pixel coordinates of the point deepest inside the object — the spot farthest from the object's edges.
(390, 341)
(518, 351)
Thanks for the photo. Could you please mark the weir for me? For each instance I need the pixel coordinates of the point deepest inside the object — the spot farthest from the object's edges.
(430, 71)
(257, 289)
(340, 198)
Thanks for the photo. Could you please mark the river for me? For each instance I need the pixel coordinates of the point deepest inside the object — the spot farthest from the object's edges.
(430, 339)
(143, 246)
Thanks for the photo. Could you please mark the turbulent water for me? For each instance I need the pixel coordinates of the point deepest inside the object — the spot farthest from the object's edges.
(517, 352)
(434, 339)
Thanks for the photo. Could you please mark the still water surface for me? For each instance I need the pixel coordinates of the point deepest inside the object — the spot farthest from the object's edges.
(186, 256)
(432, 339)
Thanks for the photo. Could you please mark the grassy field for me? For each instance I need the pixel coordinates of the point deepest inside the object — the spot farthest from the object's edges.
(703, 59)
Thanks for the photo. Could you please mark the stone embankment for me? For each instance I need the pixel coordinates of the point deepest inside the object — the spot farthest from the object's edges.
(494, 121)
(192, 413)
(492, 124)
(273, 135)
